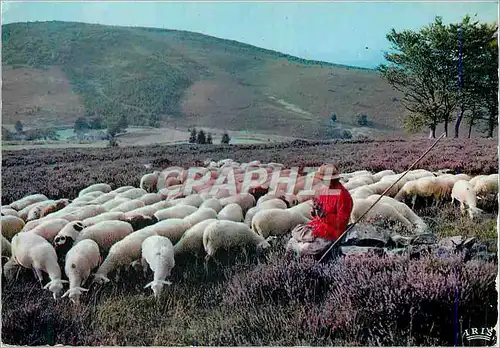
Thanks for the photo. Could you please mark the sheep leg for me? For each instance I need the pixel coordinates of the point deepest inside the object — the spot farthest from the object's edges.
(38, 276)
(413, 201)
(145, 265)
(246, 254)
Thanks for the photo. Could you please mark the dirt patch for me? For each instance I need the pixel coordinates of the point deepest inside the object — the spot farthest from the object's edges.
(38, 97)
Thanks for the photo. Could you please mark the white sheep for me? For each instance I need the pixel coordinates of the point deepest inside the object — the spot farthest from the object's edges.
(129, 206)
(145, 210)
(102, 187)
(58, 205)
(33, 211)
(107, 216)
(134, 193)
(106, 233)
(122, 189)
(27, 200)
(11, 225)
(88, 211)
(213, 203)
(173, 228)
(379, 175)
(200, 215)
(304, 208)
(178, 211)
(149, 181)
(162, 205)
(80, 261)
(123, 253)
(486, 185)
(67, 236)
(30, 250)
(464, 193)
(273, 203)
(244, 200)
(276, 222)
(403, 209)
(232, 212)
(151, 198)
(158, 253)
(115, 202)
(9, 211)
(379, 210)
(193, 200)
(427, 187)
(191, 241)
(362, 192)
(6, 248)
(34, 223)
(226, 234)
(49, 229)
(104, 198)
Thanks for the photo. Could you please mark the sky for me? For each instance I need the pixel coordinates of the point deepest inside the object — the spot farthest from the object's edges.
(351, 33)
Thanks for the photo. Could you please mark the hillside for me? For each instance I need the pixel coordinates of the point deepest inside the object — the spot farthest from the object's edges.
(54, 72)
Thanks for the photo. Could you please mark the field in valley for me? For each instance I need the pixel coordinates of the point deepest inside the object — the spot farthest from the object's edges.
(270, 299)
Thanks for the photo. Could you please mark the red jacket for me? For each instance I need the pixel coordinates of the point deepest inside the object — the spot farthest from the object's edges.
(337, 208)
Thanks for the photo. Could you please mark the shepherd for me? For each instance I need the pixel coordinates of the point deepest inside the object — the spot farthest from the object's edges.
(331, 213)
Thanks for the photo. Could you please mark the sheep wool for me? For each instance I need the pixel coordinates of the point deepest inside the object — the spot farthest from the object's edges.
(30, 250)
(32, 211)
(110, 215)
(6, 248)
(49, 229)
(129, 206)
(11, 225)
(106, 233)
(380, 210)
(200, 215)
(191, 241)
(88, 211)
(103, 198)
(134, 193)
(226, 234)
(27, 200)
(213, 203)
(80, 261)
(54, 207)
(304, 209)
(158, 253)
(150, 198)
(123, 253)
(276, 222)
(149, 181)
(173, 229)
(9, 211)
(115, 202)
(232, 212)
(102, 187)
(464, 193)
(146, 210)
(178, 212)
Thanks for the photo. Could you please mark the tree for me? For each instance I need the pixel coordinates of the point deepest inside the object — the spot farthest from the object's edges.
(81, 125)
(123, 123)
(19, 127)
(209, 138)
(362, 119)
(96, 123)
(443, 70)
(201, 139)
(192, 136)
(225, 138)
(333, 118)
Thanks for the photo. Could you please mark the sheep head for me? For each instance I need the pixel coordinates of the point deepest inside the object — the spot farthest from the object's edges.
(157, 286)
(100, 279)
(74, 294)
(55, 286)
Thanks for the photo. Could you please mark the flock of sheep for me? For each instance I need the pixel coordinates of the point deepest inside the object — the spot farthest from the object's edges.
(103, 230)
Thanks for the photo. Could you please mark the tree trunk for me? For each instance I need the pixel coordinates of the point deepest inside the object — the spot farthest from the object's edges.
(459, 120)
(446, 121)
(470, 126)
(491, 122)
(432, 133)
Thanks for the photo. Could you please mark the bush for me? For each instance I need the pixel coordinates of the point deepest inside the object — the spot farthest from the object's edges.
(362, 120)
(225, 138)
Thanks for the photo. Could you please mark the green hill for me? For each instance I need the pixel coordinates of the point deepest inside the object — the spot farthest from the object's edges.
(54, 72)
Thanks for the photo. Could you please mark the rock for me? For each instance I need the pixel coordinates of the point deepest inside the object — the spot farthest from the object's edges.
(400, 241)
(352, 250)
(424, 238)
(416, 251)
(395, 252)
(457, 243)
(364, 234)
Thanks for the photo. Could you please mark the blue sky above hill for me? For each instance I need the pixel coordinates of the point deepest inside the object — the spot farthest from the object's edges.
(351, 33)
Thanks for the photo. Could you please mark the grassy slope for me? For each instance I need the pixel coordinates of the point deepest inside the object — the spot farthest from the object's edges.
(184, 79)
